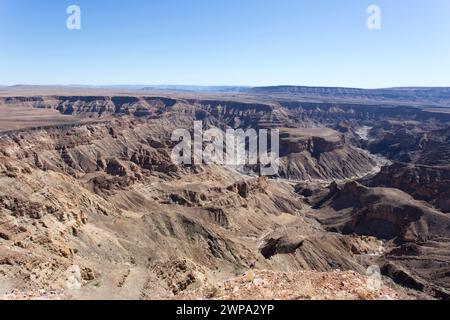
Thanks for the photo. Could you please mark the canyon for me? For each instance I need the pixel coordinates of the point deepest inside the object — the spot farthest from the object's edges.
(92, 206)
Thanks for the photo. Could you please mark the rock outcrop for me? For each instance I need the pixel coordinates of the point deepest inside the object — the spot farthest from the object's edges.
(428, 183)
(414, 233)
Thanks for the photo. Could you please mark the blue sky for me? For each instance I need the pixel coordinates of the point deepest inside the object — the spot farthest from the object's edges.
(226, 42)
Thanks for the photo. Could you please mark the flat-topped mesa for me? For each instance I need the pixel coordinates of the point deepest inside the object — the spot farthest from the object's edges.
(321, 154)
(93, 105)
(313, 140)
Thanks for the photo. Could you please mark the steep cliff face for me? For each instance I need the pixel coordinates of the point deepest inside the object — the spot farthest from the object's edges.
(415, 234)
(389, 214)
(321, 154)
(233, 112)
(428, 183)
(421, 154)
(412, 142)
(333, 112)
(95, 106)
(83, 149)
(307, 154)
(314, 141)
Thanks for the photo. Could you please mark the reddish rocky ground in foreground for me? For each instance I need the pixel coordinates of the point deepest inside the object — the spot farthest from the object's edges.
(305, 285)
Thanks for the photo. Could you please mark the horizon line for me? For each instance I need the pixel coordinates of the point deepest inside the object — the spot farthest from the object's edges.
(166, 86)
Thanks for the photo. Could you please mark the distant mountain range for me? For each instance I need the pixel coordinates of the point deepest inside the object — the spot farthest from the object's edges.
(257, 89)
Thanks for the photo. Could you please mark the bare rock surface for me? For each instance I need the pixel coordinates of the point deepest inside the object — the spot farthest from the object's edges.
(304, 285)
(92, 207)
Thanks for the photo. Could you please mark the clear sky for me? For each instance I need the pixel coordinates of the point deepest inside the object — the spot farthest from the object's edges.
(226, 42)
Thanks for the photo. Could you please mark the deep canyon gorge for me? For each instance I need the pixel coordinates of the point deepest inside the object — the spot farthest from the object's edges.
(91, 205)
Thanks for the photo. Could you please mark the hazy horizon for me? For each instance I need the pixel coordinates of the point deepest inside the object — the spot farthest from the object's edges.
(162, 86)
